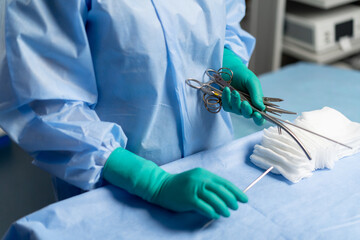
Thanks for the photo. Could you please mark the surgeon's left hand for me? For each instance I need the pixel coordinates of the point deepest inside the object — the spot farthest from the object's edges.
(243, 80)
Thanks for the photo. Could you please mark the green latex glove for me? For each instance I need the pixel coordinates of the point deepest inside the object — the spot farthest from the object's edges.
(243, 80)
(196, 189)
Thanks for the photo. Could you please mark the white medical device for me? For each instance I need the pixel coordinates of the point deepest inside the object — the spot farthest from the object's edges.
(325, 4)
(321, 30)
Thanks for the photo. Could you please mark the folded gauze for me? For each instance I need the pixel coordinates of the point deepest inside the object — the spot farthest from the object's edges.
(282, 152)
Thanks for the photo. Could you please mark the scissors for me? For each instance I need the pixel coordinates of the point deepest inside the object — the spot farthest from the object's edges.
(212, 93)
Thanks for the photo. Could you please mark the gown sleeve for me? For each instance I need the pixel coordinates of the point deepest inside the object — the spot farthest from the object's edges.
(48, 90)
(236, 39)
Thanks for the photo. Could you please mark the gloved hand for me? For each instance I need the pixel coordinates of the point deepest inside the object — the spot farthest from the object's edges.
(196, 189)
(243, 80)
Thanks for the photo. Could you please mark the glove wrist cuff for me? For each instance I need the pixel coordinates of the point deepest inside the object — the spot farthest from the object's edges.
(134, 173)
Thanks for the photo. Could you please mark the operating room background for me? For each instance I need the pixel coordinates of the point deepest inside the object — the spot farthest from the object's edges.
(25, 188)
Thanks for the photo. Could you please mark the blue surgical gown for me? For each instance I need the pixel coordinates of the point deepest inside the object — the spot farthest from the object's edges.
(81, 78)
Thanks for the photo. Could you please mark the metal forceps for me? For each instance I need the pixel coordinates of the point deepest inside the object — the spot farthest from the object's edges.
(212, 93)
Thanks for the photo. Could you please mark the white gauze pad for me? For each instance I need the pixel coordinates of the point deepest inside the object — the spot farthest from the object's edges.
(288, 159)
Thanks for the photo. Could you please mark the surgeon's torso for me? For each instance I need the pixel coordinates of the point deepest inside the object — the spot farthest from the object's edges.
(142, 53)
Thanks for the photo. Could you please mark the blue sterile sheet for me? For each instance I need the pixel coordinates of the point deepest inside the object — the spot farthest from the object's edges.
(325, 206)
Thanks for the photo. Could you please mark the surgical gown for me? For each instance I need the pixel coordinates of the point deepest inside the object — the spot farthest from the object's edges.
(81, 78)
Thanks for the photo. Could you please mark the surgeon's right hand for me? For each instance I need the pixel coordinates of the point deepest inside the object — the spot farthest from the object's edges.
(196, 189)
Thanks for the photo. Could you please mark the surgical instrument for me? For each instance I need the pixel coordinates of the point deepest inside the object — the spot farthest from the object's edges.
(212, 99)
